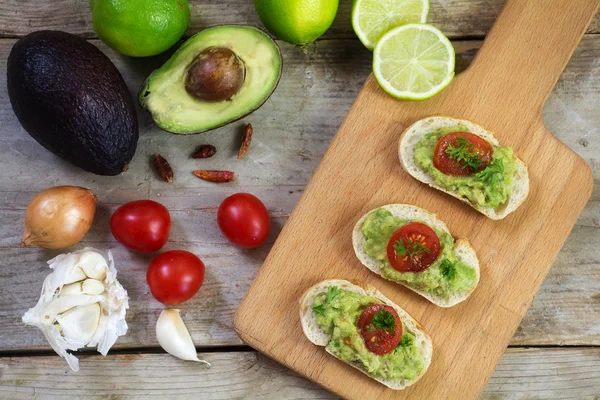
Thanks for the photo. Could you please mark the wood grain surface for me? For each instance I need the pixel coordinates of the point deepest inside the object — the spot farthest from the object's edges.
(521, 374)
(457, 18)
(501, 92)
(294, 129)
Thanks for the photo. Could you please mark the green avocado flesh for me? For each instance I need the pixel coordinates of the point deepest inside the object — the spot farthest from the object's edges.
(337, 316)
(478, 188)
(445, 277)
(174, 110)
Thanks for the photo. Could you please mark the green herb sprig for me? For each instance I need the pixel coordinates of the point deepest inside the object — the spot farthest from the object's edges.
(414, 248)
(319, 309)
(406, 341)
(463, 154)
(448, 270)
(492, 174)
(332, 292)
(384, 320)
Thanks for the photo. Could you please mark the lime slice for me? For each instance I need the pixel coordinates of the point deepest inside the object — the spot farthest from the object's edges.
(413, 62)
(371, 19)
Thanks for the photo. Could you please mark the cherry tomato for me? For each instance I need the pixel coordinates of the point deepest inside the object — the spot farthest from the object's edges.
(421, 247)
(243, 219)
(141, 225)
(379, 341)
(175, 276)
(451, 166)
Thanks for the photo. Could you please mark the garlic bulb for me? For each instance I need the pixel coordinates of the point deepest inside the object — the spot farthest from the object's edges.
(174, 338)
(82, 304)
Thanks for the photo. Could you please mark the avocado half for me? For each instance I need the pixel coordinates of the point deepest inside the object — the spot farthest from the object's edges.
(166, 94)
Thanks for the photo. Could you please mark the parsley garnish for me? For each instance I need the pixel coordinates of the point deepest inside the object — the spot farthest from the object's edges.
(414, 248)
(384, 320)
(463, 154)
(492, 174)
(319, 309)
(406, 341)
(332, 291)
(399, 247)
(448, 270)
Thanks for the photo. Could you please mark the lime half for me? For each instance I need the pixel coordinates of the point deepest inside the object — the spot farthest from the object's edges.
(371, 19)
(413, 62)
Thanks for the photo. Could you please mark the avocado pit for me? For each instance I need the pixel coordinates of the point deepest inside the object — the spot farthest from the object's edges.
(216, 74)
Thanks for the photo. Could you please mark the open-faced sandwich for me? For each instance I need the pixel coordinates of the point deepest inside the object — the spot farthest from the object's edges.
(464, 160)
(362, 327)
(409, 245)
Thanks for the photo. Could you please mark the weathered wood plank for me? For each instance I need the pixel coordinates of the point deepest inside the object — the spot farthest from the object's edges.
(292, 131)
(457, 18)
(521, 374)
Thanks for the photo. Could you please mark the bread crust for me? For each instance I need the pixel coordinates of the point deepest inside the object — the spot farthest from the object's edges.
(413, 134)
(320, 338)
(462, 248)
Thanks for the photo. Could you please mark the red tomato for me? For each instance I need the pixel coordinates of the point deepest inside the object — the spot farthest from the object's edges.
(379, 341)
(451, 166)
(421, 248)
(142, 225)
(243, 219)
(175, 276)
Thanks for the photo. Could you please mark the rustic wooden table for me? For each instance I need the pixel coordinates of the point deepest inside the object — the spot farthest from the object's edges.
(554, 354)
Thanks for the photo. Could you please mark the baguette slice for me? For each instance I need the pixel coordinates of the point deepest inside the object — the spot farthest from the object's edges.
(320, 338)
(406, 152)
(462, 248)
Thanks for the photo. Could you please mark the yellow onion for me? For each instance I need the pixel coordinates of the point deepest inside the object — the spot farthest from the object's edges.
(59, 217)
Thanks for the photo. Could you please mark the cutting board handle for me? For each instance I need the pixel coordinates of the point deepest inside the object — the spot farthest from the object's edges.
(534, 40)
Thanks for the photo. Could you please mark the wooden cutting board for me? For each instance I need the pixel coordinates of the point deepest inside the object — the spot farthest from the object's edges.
(503, 90)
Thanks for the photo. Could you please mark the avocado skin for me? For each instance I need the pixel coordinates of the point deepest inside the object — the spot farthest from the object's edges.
(70, 97)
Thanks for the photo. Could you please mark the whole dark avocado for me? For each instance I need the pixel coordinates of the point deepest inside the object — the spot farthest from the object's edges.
(70, 97)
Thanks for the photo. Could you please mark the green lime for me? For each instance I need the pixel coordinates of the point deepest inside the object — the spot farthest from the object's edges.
(297, 21)
(140, 28)
(413, 62)
(371, 19)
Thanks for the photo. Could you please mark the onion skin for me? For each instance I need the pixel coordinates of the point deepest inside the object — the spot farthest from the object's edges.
(59, 217)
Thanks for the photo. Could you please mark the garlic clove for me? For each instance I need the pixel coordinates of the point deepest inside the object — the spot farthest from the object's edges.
(174, 338)
(75, 275)
(70, 289)
(80, 323)
(93, 265)
(63, 304)
(92, 286)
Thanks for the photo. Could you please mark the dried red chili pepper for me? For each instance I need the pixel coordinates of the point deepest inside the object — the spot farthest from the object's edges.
(205, 151)
(215, 176)
(246, 138)
(163, 168)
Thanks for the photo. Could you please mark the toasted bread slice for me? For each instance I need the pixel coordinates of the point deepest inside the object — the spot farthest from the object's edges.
(317, 336)
(462, 248)
(406, 152)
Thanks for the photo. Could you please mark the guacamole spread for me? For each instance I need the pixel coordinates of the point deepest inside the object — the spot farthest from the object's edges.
(337, 313)
(446, 276)
(487, 188)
